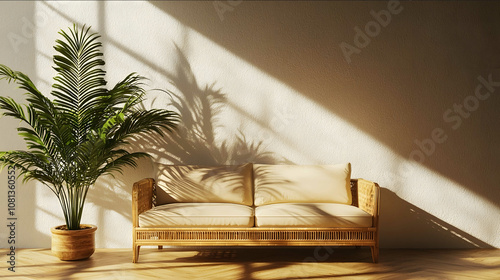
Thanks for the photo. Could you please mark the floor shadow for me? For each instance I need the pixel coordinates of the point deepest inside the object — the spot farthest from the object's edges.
(262, 263)
(278, 254)
(403, 225)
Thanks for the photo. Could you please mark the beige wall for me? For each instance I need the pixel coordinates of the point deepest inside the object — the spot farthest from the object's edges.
(295, 82)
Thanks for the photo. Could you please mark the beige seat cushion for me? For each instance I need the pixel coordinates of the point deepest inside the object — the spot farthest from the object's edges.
(311, 215)
(190, 183)
(198, 215)
(302, 184)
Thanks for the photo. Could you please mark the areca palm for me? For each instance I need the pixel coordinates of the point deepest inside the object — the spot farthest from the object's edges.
(82, 132)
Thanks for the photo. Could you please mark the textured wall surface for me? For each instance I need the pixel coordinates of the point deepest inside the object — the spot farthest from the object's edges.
(407, 92)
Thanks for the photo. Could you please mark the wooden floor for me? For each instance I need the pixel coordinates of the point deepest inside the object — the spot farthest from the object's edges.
(259, 263)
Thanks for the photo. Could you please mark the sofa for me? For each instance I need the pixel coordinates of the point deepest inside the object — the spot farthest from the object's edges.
(255, 205)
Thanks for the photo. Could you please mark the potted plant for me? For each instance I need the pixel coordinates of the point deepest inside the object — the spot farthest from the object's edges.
(80, 134)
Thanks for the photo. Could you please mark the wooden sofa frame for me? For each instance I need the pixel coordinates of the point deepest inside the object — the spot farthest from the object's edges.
(365, 195)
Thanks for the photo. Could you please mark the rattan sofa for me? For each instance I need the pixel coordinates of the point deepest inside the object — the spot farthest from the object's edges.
(172, 210)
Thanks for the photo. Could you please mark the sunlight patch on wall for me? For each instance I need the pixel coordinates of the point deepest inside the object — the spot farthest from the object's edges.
(138, 37)
(289, 124)
(449, 201)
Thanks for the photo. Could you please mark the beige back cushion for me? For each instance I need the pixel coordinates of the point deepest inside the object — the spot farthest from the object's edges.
(191, 183)
(302, 183)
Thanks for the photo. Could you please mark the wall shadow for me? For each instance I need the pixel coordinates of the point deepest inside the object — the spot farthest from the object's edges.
(195, 140)
(403, 225)
(112, 195)
(397, 88)
(18, 47)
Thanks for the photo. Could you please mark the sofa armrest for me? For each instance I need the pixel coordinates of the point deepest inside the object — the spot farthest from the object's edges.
(368, 198)
(142, 198)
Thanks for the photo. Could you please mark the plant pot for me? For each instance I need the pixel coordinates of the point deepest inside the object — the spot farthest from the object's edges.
(71, 245)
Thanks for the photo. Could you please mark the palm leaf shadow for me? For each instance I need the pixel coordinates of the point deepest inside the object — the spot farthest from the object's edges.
(194, 141)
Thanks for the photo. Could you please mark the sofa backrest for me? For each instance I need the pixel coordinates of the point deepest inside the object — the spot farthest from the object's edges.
(192, 183)
(302, 184)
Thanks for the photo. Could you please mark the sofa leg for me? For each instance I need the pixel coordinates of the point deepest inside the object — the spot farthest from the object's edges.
(160, 247)
(375, 250)
(136, 253)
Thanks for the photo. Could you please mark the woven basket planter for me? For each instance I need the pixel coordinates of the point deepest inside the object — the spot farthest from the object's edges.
(71, 245)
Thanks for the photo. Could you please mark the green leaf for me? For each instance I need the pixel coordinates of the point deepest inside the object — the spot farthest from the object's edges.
(80, 135)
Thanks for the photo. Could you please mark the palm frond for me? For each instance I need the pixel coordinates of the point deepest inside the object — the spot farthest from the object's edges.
(82, 133)
(117, 165)
(80, 81)
(153, 120)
